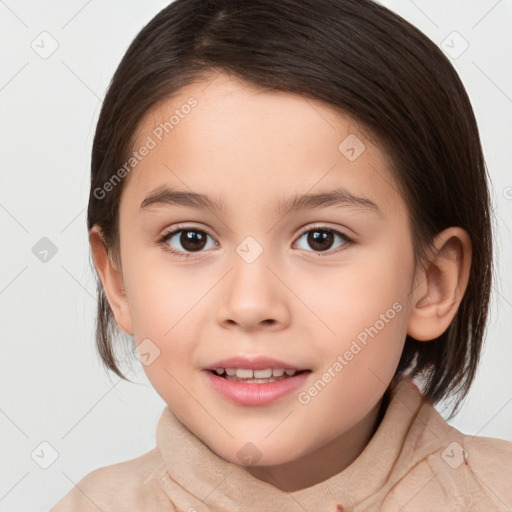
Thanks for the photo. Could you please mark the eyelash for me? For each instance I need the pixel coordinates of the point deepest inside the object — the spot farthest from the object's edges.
(167, 236)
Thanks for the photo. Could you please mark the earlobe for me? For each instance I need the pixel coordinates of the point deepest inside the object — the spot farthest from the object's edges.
(440, 285)
(111, 279)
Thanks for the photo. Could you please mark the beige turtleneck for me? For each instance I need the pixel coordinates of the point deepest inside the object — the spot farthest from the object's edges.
(414, 461)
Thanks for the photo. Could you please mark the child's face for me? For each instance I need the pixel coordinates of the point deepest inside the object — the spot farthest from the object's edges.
(340, 312)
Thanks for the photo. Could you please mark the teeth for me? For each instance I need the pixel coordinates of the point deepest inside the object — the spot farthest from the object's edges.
(245, 373)
(262, 374)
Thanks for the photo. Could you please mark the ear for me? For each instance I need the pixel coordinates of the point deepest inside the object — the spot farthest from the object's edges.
(440, 285)
(112, 280)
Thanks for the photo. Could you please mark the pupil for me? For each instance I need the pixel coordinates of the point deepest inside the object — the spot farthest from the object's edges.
(316, 238)
(192, 240)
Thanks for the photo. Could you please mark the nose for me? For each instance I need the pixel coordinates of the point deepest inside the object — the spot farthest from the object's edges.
(253, 296)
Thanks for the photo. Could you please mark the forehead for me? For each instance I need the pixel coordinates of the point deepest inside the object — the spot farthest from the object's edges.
(222, 136)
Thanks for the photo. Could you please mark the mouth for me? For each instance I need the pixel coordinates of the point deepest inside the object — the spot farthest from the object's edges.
(255, 387)
(260, 376)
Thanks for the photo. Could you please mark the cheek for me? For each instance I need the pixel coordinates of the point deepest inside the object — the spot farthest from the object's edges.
(159, 292)
(165, 301)
(354, 296)
(157, 303)
(364, 308)
(162, 309)
(367, 312)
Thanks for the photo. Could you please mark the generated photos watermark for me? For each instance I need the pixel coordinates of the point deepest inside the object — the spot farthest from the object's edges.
(151, 142)
(361, 341)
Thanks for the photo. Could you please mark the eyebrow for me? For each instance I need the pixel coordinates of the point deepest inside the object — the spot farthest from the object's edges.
(164, 195)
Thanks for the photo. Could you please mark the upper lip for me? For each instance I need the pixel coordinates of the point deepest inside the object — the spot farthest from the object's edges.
(253, 363)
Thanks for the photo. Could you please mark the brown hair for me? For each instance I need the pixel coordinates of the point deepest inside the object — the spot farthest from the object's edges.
(356, 56)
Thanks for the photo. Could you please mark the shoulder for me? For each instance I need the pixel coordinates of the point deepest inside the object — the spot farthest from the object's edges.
(439, 468)
(128, 486)
(474, 472)
(490, 462)
(483, 448)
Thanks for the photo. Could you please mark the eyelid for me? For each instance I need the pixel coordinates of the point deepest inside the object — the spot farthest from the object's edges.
(304, 229)
(325, 226)
(182, 227)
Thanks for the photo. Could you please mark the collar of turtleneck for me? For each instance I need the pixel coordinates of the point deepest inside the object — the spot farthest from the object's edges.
(209, 482)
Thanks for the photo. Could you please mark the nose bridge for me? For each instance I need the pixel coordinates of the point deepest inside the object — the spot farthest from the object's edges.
(250, 250)
(253, 293)
(251, 275)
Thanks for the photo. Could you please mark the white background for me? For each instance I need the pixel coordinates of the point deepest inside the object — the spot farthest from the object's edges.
(53, 386)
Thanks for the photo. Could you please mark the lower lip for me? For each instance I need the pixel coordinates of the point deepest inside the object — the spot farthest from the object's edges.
(255, 394)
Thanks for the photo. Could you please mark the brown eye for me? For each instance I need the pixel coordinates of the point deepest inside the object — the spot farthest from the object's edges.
(322, 239)
(183, 241)
(192, 240)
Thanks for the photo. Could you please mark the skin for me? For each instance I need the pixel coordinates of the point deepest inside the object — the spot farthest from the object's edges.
(253, 148)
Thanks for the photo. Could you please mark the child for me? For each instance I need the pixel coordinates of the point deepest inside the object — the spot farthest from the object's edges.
(260, 131)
